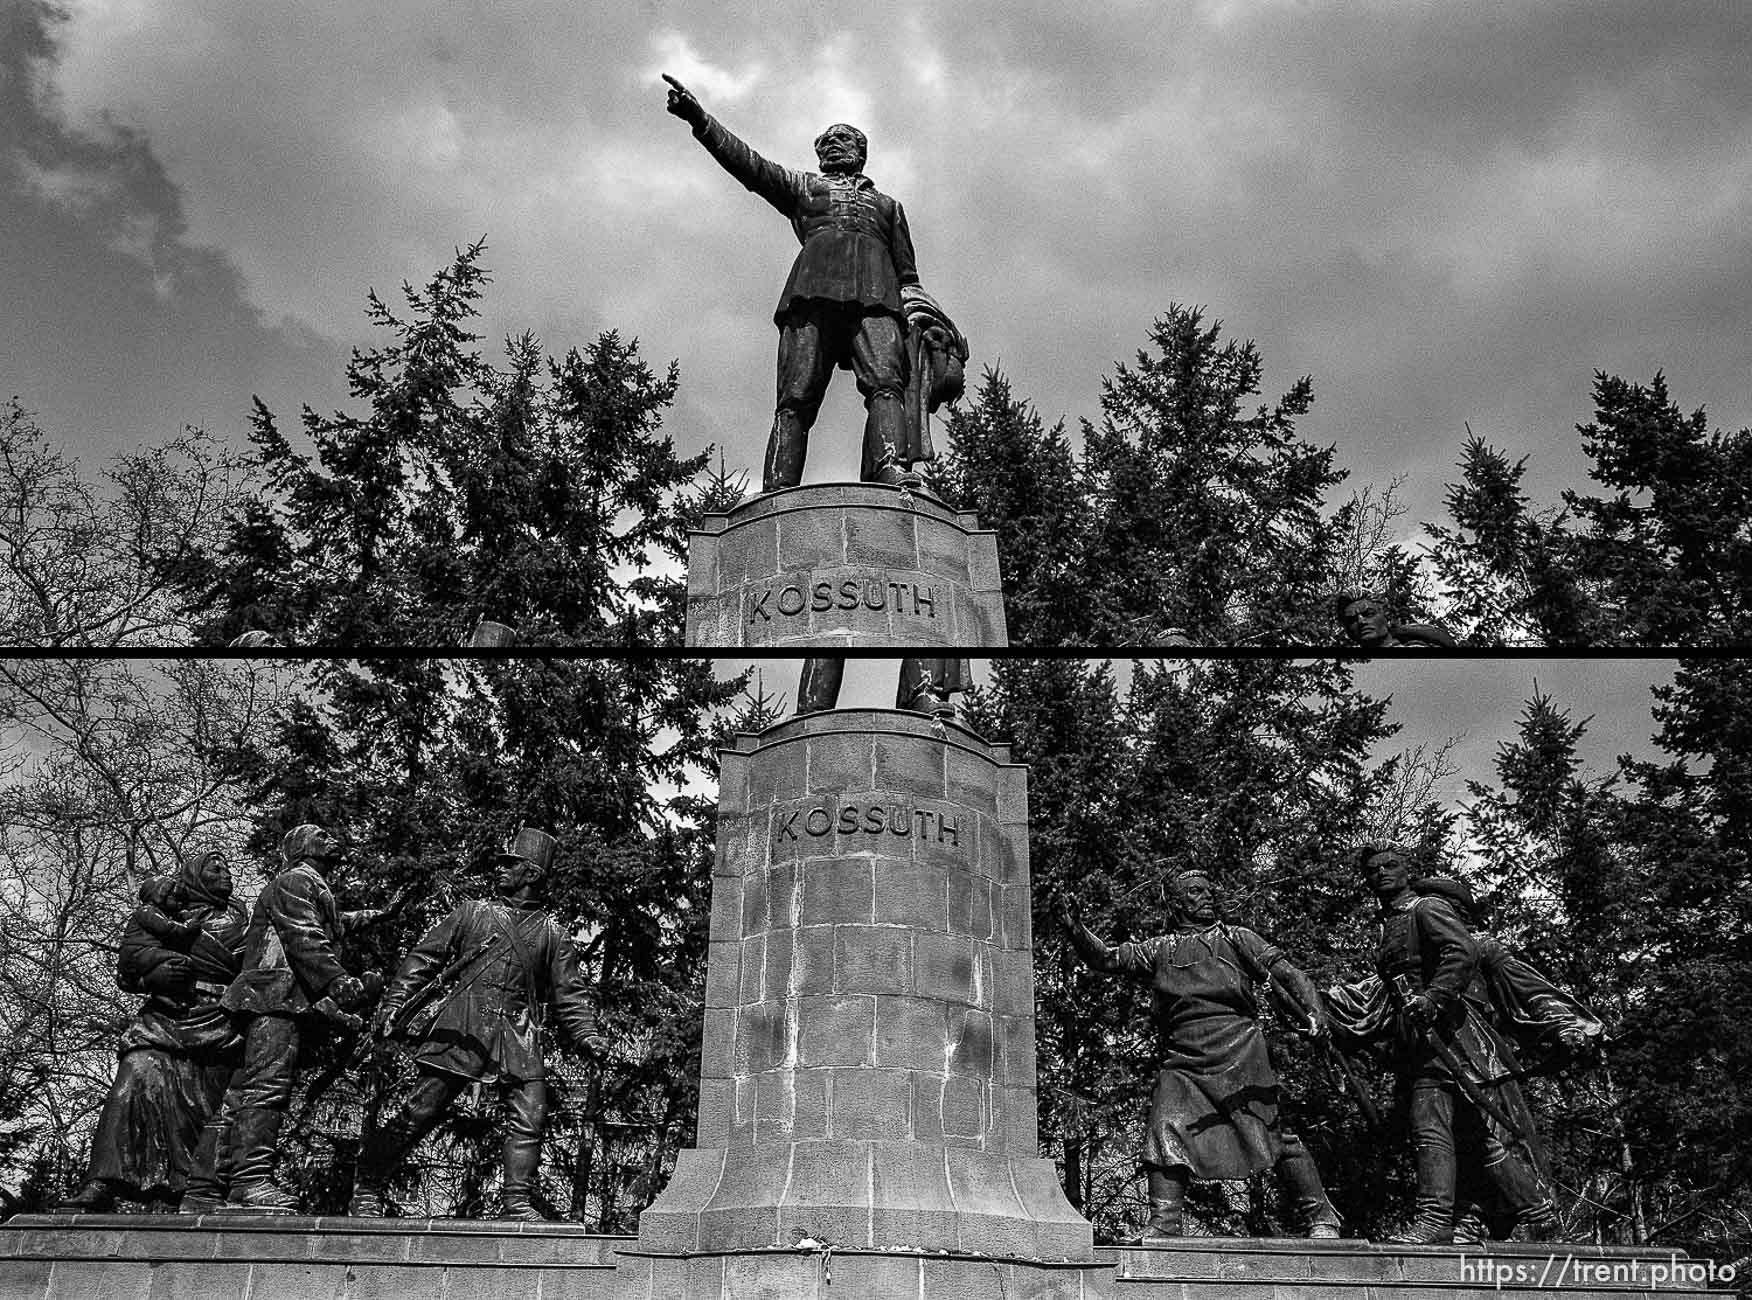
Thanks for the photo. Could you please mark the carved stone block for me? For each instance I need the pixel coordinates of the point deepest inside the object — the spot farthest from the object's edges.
(843, 564)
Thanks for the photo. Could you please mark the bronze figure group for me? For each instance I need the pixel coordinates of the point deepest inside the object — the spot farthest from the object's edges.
(1453, 1008)
(210, 1065)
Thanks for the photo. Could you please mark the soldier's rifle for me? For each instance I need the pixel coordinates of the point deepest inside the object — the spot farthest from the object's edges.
(368, 1041)
(438, 990)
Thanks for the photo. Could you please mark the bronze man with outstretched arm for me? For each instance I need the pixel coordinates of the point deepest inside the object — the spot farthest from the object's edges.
(1214, 1113)
(843, 303)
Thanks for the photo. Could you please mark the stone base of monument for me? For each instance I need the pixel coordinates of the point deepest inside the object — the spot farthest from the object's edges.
(836, 565)
(294, 1257)
(856, 1275)
(867, 1091)
(170, 1257)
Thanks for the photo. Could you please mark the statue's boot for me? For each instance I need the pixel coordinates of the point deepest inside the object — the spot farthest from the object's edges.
(1424, 1232)
(922, 689)
(96, 1197)
(1301, 1180)
(249, 1163)
(1540, 1223)
(1167, 1207)
(884, 434)
(523, 1151)
(1432, 1148)
(1432, 1220)
(387, 1145)
(204, 1193)
(1525, 1204)
(818, 687)
(786, 447)
(1470, 1228)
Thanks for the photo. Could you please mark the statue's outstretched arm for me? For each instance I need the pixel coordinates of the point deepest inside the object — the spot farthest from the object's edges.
(779, 186)
(1090, 947)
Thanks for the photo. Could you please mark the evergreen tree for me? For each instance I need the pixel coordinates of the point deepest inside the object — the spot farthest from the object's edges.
(1022, 480)
(1661, 559)
(1207, 520)
(1184, 515)
(464, 492)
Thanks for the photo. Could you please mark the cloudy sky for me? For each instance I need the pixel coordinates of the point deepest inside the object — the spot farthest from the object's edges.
(1442, 212)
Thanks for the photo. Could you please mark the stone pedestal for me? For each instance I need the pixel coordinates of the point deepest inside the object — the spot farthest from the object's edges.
(298, 1257)
(170, 1257)
(867, 1093)
(842, 565)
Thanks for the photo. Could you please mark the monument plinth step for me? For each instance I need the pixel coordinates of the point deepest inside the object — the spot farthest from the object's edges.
(165, 1257)
(299, 1257)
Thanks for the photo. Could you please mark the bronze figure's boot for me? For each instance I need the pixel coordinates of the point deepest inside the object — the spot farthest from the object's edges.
(1300, 1177)
(387, 1145)
(786, 447)
(884, 432)
(254, 1132)
(1432, 1222)
(1167, 1201)
(923, 688)
(523, 1151)
(1540, 1223)
(96, 1197)
(1424, 1232)
(204, 1193)
(1469, 1227)
(1525, 1206)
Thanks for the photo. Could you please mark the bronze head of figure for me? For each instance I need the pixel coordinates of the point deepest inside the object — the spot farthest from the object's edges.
(524, 861)
(1385, 869)
(842, 149)
(1193, 899)
(1363, 618)
(309, 843)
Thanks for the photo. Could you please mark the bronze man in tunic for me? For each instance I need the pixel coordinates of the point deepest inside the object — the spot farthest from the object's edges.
(1214, 1113)
(843, 303)
(471, 997)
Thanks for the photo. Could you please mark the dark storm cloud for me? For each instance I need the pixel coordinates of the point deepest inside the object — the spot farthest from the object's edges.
(117, 329)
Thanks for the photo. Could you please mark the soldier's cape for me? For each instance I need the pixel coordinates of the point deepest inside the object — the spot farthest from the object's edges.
(1526, 1006)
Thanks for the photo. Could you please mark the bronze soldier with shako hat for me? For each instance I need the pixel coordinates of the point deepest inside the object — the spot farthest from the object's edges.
(471, 997)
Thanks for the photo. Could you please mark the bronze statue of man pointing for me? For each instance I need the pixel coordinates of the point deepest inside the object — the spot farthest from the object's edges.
(843, 304)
